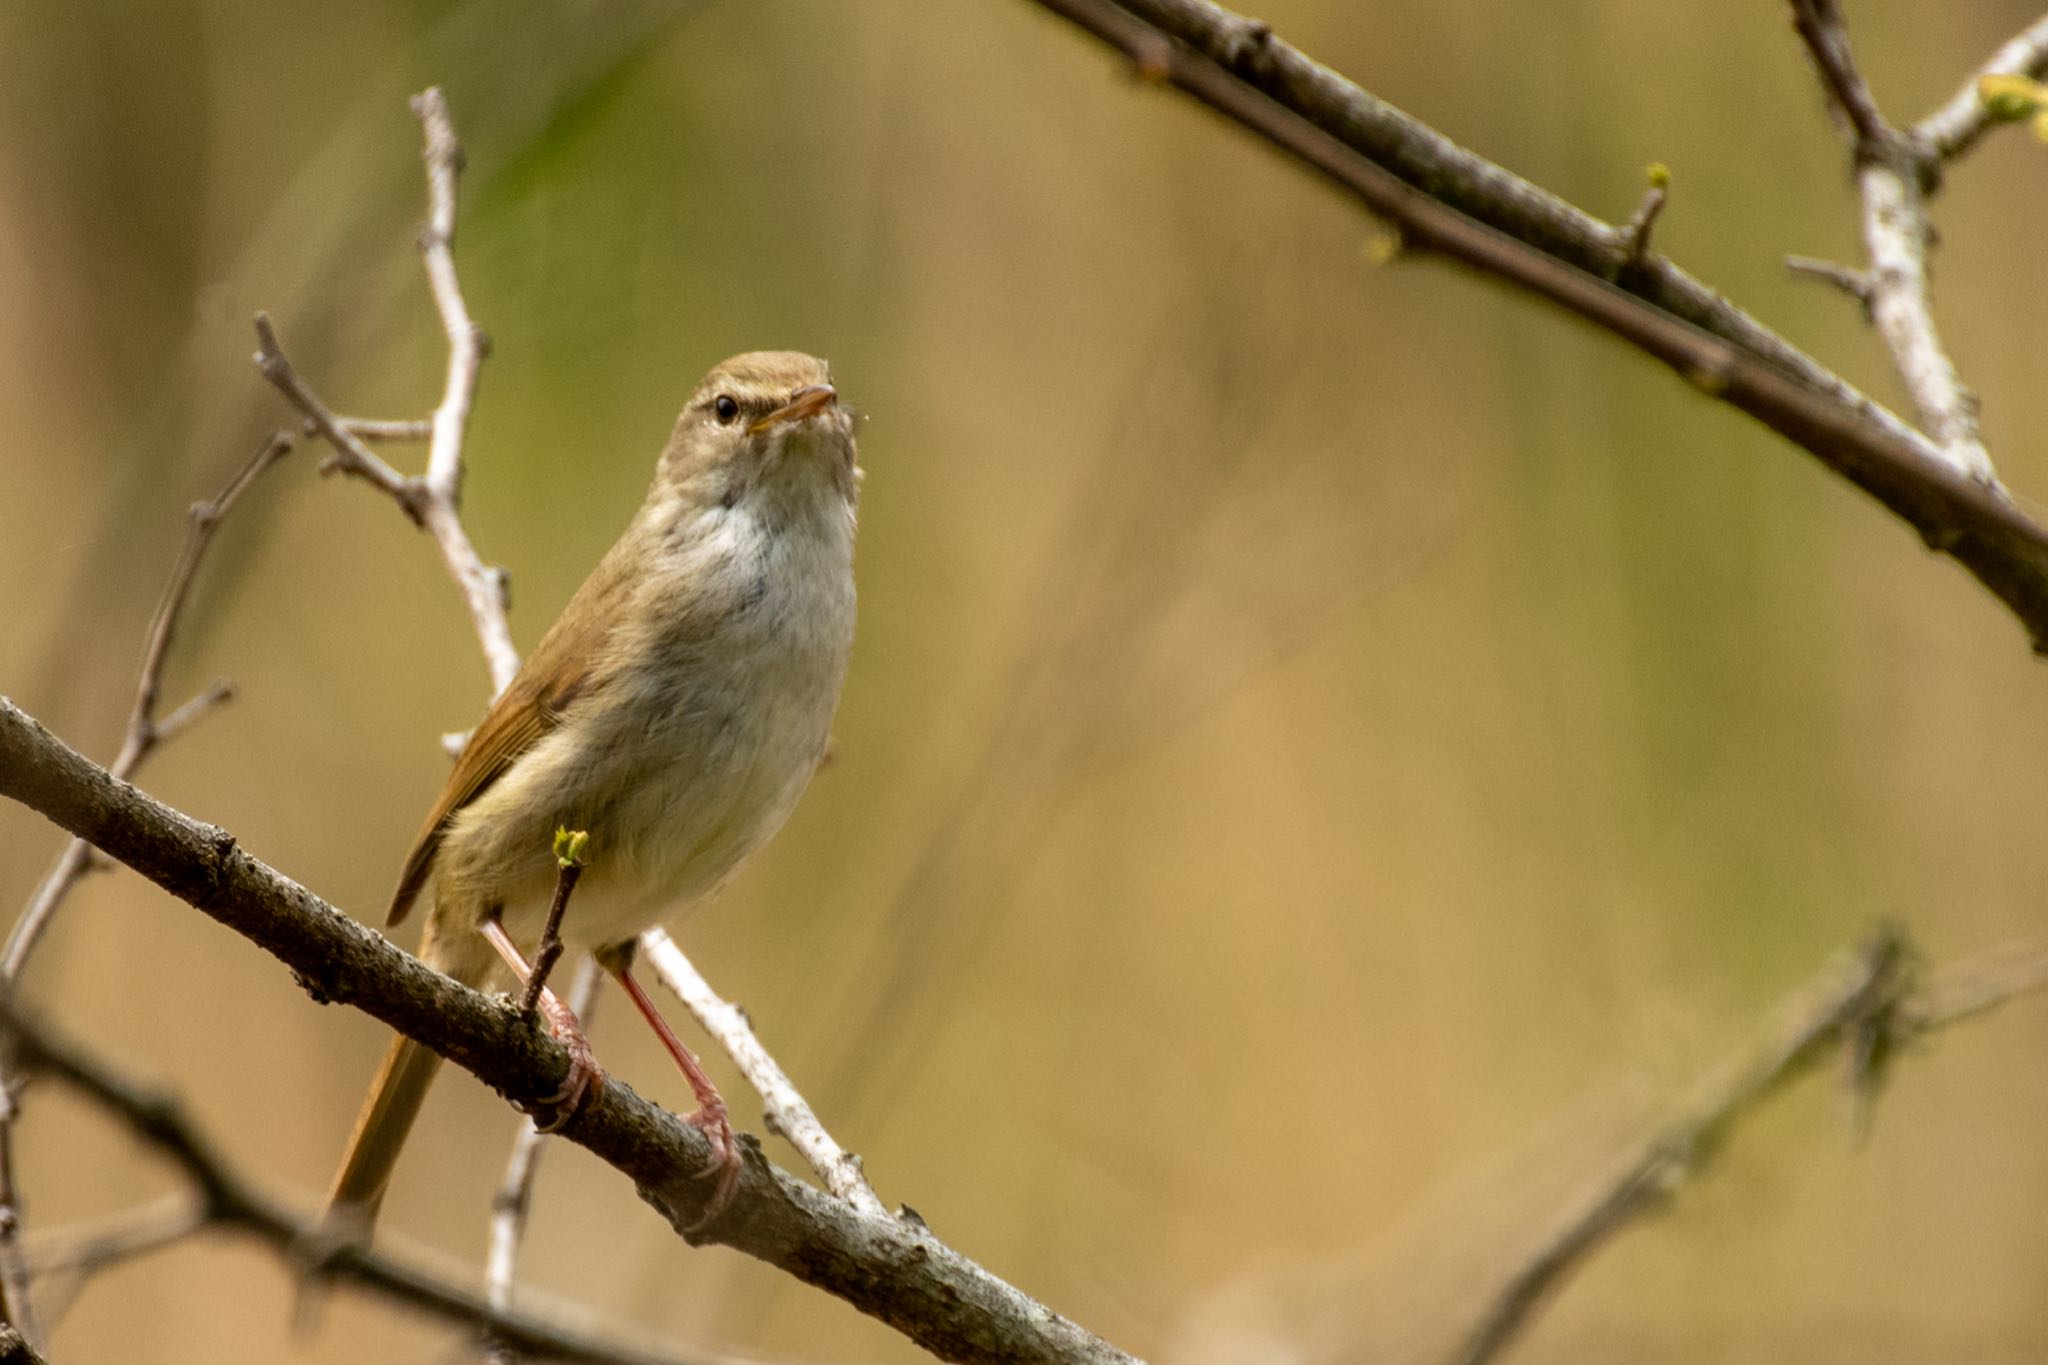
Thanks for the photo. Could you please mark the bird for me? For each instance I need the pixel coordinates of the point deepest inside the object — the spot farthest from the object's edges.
(674, 712)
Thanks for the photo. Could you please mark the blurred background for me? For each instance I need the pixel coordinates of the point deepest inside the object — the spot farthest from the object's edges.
(1330, 747)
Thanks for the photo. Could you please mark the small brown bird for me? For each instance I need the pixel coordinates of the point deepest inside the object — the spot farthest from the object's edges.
(675, 711)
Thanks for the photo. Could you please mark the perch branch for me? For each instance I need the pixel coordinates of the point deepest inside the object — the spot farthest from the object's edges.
(893, 1269)
(1445, 199)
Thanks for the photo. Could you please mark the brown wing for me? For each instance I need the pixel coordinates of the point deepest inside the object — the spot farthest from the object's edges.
(560, 669)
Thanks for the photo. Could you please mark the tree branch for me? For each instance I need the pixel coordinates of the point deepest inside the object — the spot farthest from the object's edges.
(1870, 1002)
(788, 1114)
(514, 1200)
(1446, 199)
(893, 1269)
(1891, 172)
(144, 732)
(1950, 131)
(433, 500)
(227, 1200)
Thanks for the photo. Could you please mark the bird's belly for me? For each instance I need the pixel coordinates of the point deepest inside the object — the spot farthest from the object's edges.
(675, 787)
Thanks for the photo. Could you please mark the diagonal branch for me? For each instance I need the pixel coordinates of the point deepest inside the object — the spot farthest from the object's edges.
(1892, 173)
(893, 1269)
(145, 731)
(1869, 1002)
(1448, 200)
(789, 1115)
(1953, 129)
(227, 1200)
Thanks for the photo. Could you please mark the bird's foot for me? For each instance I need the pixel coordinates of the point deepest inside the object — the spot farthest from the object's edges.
(726, 1163)
(552, 1113)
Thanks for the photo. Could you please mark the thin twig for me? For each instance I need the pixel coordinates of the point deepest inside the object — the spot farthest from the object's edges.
(787, 1113)
(1891, 171)
(379, 429)
(1428, 187)
(1870, 1001)
(1854, 283)
(350, 456)
(514, 1200)
(1634, 235)
(432, 500)
(466, 341)
(569, 846)
(70, 1256)
(1821, 27)
(94, 1245)
(1953, 129)
(144, 733)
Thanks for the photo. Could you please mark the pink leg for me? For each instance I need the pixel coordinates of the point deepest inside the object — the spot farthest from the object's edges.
(551, 1114)
(710, 1117)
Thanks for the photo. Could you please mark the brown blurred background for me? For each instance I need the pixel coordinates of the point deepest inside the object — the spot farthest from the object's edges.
(1327, 745)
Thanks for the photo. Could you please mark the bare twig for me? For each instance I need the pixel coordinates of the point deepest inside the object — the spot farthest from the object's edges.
(1972, 986)
(1953, 129)
(433, 500)
(1870, 1001)
(144, 730)
(89, 1246)
(1891, 172)
(893, 1269)
(143, 734)
(1854, 283)
(466, 342)
(787, 1112)
(1821, 28)
(64, 1259)
(1406, 172)
(514, 1199)
(569, 846)
(1634, 235)
(377, 429)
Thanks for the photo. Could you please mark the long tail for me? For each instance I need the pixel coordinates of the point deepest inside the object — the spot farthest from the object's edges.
(400, 1087)
(381, 1128)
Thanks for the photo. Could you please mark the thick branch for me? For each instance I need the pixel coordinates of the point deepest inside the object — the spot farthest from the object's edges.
(227, 1200)
(1428, 187)
(892, 1269)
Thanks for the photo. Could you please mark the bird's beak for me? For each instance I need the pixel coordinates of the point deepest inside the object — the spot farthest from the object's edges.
(808, 401)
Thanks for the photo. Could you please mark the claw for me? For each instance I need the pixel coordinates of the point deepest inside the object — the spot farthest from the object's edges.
(553, 1113)
(726, 1162)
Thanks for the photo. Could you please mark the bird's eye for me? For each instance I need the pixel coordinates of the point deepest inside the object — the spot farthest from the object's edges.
(727, 407)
